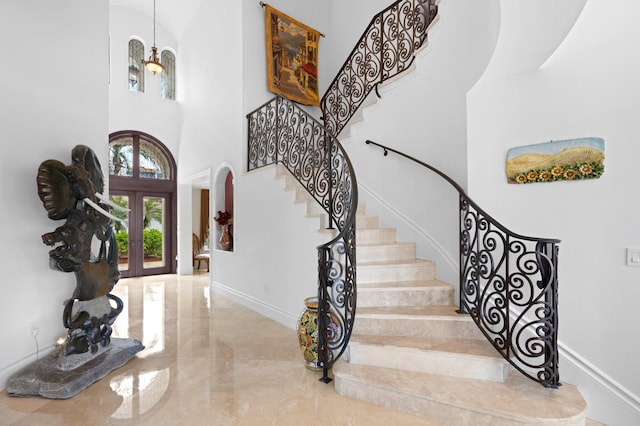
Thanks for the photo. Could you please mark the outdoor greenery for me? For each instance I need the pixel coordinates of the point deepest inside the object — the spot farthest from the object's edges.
(122, 202)
(153, 212)
(152, 241)
(122, 239)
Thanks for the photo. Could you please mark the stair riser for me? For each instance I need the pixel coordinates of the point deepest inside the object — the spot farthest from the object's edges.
(417, 326)
(470, 367)
(376, 236)
(314, 208)
(366, 222)
(403, 297)
(302, 196)
(386, 253)
(391, 273)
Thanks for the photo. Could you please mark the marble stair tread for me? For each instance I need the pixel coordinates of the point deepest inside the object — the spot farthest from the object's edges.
(454, 400)
(472, 347)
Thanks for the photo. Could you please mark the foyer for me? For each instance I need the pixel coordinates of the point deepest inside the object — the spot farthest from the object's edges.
(206, 362)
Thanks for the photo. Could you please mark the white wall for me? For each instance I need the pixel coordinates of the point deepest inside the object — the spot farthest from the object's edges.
(424, 115)
(54, 96)
(146, 112)
(225, 82)
(589, 87)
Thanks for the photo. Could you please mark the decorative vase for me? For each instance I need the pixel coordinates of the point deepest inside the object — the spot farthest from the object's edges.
(308, 333)
(225, 241)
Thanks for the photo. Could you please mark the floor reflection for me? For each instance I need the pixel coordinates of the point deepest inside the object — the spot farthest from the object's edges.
(207, 361)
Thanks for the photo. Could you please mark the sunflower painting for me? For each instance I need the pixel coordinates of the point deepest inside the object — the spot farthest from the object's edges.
(570, 159)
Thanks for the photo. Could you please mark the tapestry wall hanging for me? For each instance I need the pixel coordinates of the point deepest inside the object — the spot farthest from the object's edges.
(570, 159)
(292, 58)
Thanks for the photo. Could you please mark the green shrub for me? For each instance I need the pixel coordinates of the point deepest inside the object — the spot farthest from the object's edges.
(152, 242)
(122, 239)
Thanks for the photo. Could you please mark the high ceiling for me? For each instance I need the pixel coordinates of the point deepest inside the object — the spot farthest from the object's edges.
(174, 15)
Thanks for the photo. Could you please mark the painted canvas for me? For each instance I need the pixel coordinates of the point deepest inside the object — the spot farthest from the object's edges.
(292, 58)
(570, 159)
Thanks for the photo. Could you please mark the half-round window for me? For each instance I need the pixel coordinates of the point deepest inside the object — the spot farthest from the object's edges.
(138, 155)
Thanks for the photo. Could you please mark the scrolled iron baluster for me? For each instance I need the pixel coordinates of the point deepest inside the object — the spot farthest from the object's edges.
(509, 287)
(385, 49)
(320, 164)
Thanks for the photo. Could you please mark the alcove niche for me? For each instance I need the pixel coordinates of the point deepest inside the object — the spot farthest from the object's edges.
(223, 188)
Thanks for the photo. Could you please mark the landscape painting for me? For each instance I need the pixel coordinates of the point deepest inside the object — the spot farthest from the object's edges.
(292, 58)
(570, 159)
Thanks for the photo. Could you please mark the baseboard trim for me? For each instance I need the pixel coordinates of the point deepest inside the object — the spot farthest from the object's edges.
(618, 390)
(271, 311)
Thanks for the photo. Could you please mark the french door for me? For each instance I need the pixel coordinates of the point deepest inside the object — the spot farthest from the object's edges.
(142, 179)
(145, 241)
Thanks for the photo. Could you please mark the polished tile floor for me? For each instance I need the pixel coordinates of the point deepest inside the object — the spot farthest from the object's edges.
(207, 361)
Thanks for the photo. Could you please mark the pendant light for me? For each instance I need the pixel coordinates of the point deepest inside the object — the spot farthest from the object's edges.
(153, 64)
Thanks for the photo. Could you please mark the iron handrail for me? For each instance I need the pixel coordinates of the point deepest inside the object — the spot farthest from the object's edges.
(282, 133)
(385, 49)
(509, 286)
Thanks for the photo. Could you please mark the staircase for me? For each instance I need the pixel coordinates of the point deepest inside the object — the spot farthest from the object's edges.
(411, 351)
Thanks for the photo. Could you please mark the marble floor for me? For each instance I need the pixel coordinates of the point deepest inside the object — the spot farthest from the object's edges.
(207, 361)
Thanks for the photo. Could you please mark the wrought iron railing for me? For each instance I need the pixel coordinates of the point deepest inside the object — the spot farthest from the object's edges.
(385, 49)
(281, 132)
(509, 286)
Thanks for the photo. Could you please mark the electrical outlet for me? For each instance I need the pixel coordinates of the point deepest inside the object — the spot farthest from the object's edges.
(633, 257)
(34, 329)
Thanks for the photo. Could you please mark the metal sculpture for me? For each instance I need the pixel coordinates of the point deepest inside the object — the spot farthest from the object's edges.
(74, 192)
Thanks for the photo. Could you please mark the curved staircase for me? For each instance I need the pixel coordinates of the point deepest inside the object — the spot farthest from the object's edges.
(411, 351)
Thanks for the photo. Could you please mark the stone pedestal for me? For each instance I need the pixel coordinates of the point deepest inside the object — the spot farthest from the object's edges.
(60, 377)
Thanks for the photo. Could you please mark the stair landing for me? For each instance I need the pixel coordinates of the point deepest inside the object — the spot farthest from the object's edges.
(459, 401)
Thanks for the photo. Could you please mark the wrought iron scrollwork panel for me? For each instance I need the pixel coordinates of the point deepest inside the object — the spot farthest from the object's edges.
(337, 266)
(281, 132)
(385, 49)
(508, 286)
(262, 136)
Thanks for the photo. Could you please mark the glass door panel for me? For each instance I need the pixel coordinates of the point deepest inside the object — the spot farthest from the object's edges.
(121, 229)
(154, 232)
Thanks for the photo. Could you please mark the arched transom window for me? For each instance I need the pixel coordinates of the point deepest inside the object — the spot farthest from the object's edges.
(136, 156)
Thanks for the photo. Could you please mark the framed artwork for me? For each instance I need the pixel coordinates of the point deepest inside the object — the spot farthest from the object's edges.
(570, 159)
(292, 58)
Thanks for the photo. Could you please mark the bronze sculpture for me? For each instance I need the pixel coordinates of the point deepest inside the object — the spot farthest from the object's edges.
(74, 193)
(88, 353)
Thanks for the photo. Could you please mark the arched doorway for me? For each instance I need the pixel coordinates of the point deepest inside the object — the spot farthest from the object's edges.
(142, 177)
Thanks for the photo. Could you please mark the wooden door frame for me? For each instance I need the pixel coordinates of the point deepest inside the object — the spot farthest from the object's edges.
(125, 185)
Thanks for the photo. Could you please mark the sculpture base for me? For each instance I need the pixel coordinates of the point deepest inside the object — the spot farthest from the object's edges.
(45, 377)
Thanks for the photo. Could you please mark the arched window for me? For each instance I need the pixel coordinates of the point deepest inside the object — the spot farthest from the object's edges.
(136, 66)
(168, 77)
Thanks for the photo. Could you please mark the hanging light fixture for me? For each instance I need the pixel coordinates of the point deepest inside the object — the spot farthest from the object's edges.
(153, 64)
